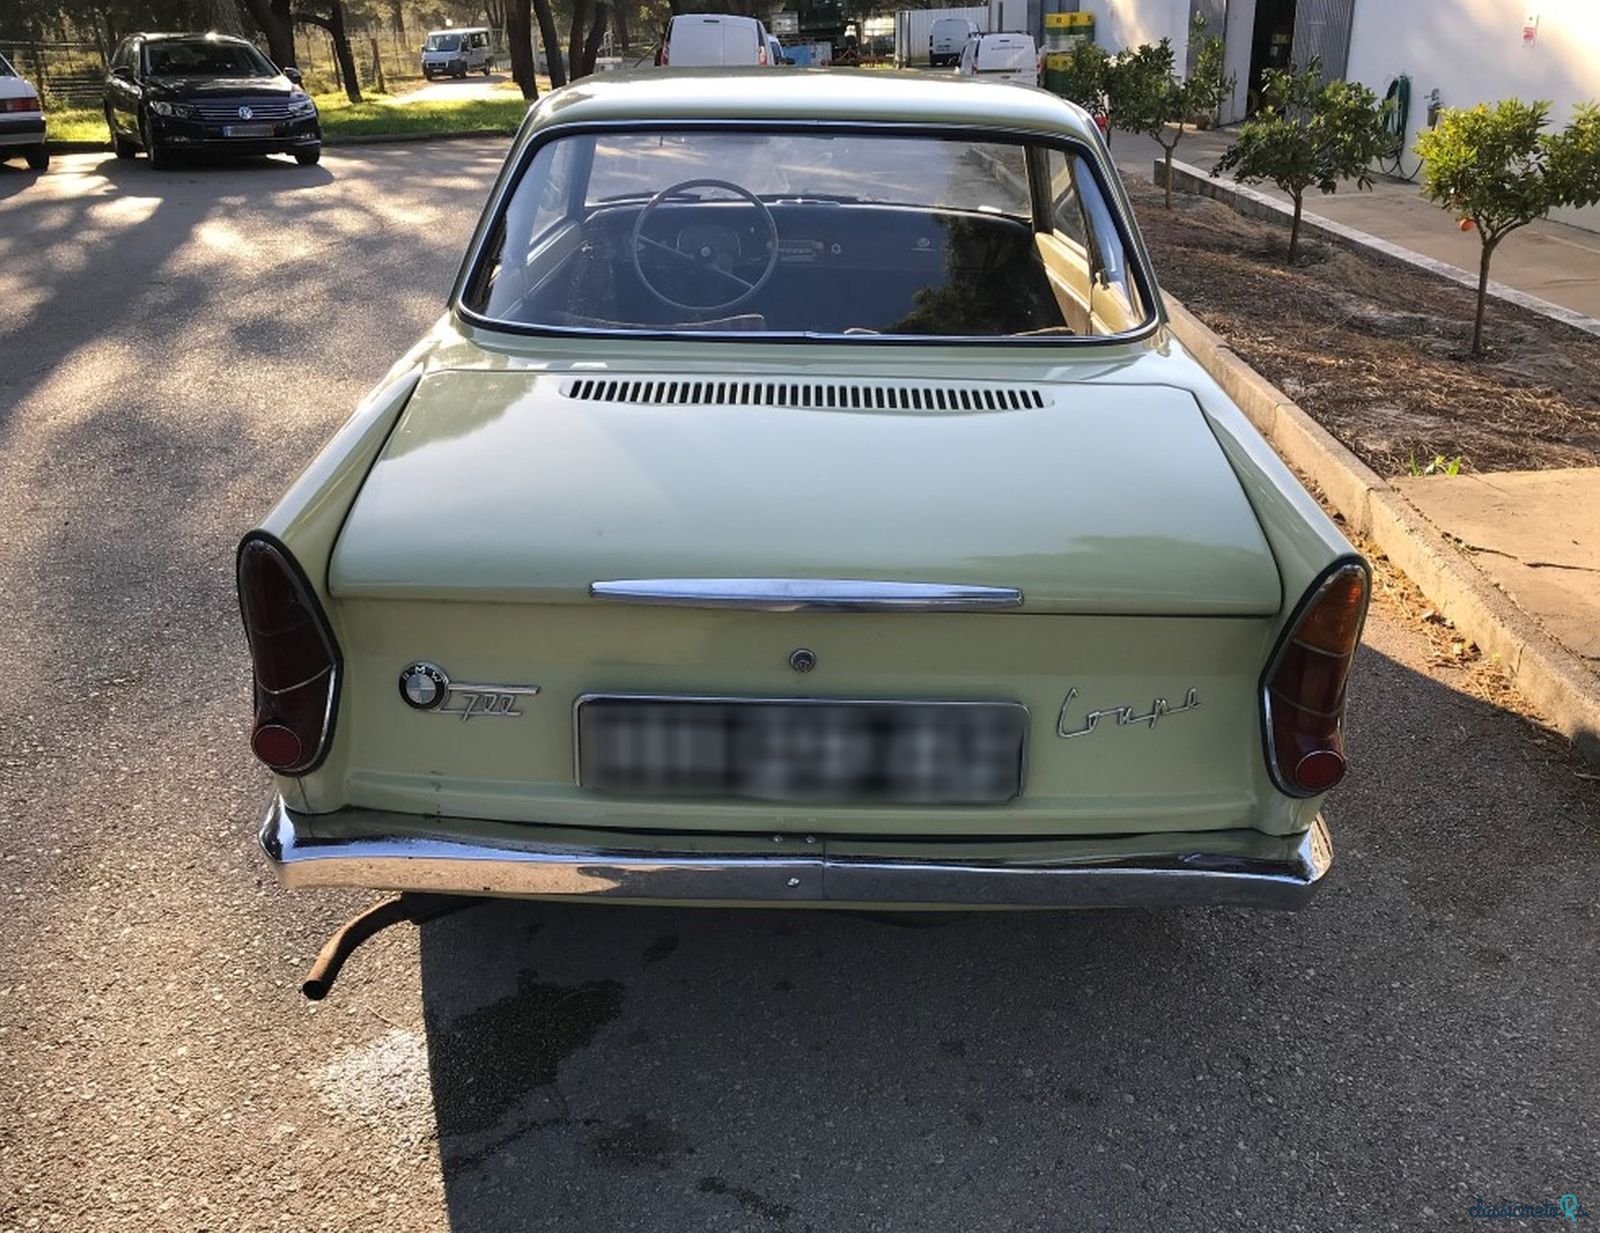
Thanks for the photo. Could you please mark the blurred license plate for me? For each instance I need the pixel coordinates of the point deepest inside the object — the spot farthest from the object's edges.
(932, 753)
(247, 130)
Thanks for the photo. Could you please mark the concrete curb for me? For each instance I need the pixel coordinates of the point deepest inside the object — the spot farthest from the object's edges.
(1246, 200)
(1552, 678)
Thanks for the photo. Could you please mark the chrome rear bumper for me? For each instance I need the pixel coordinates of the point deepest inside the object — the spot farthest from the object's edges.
(405, 852)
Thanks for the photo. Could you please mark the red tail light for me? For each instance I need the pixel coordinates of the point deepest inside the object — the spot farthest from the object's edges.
(19, 104)
(1303, 691)
(295, 658)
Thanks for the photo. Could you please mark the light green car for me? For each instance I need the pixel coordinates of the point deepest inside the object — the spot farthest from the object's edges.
(802, 502)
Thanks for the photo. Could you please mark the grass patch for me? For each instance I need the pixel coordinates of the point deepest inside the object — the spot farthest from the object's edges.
(342, 120)
(76, 124)
(384, 116)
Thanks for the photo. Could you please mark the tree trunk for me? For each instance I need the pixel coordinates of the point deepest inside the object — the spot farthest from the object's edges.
(225, 18)
(334, 25)
(580, 25)
(597, 33)
(1166, 159)
(519, 42)
(272, 18)
(1294, 227)
(551, 41)
(619, 25)
(1483, 291)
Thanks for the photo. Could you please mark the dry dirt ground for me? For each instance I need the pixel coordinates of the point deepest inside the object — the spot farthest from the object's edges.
(1377, 351)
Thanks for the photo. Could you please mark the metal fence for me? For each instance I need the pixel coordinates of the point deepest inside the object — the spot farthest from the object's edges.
(383, 55)
(73, 74)
(66, 74)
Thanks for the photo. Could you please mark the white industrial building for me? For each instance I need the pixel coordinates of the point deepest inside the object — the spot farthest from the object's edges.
(1470, 51)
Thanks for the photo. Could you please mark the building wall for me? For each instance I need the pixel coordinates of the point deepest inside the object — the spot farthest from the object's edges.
(1127, 23)
(1472, 51)
(1241, 20)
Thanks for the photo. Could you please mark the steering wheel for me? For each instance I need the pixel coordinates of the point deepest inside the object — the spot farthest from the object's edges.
(705, 260)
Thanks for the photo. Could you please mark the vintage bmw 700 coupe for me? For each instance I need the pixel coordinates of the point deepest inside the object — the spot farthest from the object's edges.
(803, 501)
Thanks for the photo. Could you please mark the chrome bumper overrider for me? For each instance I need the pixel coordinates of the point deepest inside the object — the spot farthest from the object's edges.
(406, 852)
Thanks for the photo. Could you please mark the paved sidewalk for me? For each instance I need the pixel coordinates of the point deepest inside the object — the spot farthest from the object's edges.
(1536, 534)
(451, 88)
(1550, 260)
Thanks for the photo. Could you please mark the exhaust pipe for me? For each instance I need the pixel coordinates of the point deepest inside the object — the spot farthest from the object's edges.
(413, 906)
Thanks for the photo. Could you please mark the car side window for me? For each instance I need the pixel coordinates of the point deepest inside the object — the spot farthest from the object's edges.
(1066, 207)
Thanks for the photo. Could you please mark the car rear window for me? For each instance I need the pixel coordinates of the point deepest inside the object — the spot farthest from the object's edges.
(999, 55)
(848, 234)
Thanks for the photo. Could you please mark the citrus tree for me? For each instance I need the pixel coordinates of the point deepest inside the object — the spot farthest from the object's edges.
(1083, 80)
(1149, 98)
(1496, 169)
(1308, 134)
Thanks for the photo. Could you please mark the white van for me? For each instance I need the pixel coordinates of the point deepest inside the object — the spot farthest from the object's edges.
(699, 39)
(457, 52)
(1001, 57)
(946, 38)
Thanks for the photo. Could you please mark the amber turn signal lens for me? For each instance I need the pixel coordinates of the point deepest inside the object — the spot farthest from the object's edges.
(1333, 623)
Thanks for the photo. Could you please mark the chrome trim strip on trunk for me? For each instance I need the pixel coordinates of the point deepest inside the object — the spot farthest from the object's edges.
(404, 852)
(807, 594)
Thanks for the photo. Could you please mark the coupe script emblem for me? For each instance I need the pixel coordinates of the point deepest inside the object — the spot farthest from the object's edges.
(425, 687)
(246, 114)
(1124, 714)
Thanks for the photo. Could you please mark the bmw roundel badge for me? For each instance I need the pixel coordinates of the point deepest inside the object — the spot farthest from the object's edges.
(424, 686)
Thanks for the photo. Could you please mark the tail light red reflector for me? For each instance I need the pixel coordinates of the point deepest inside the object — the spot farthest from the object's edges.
(294, 657)
(1303, 697)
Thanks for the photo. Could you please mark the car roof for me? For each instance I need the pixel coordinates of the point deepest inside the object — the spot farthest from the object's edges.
(714, 17)
(169, 36)
(836, 95)
(459, 30)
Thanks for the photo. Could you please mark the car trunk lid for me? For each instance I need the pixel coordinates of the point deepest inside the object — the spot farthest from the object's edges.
(518, 487)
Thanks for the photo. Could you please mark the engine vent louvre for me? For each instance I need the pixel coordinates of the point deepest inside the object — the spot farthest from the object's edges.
(876, 396)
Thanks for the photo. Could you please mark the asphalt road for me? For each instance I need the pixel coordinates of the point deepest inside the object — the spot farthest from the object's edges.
(172, 348)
